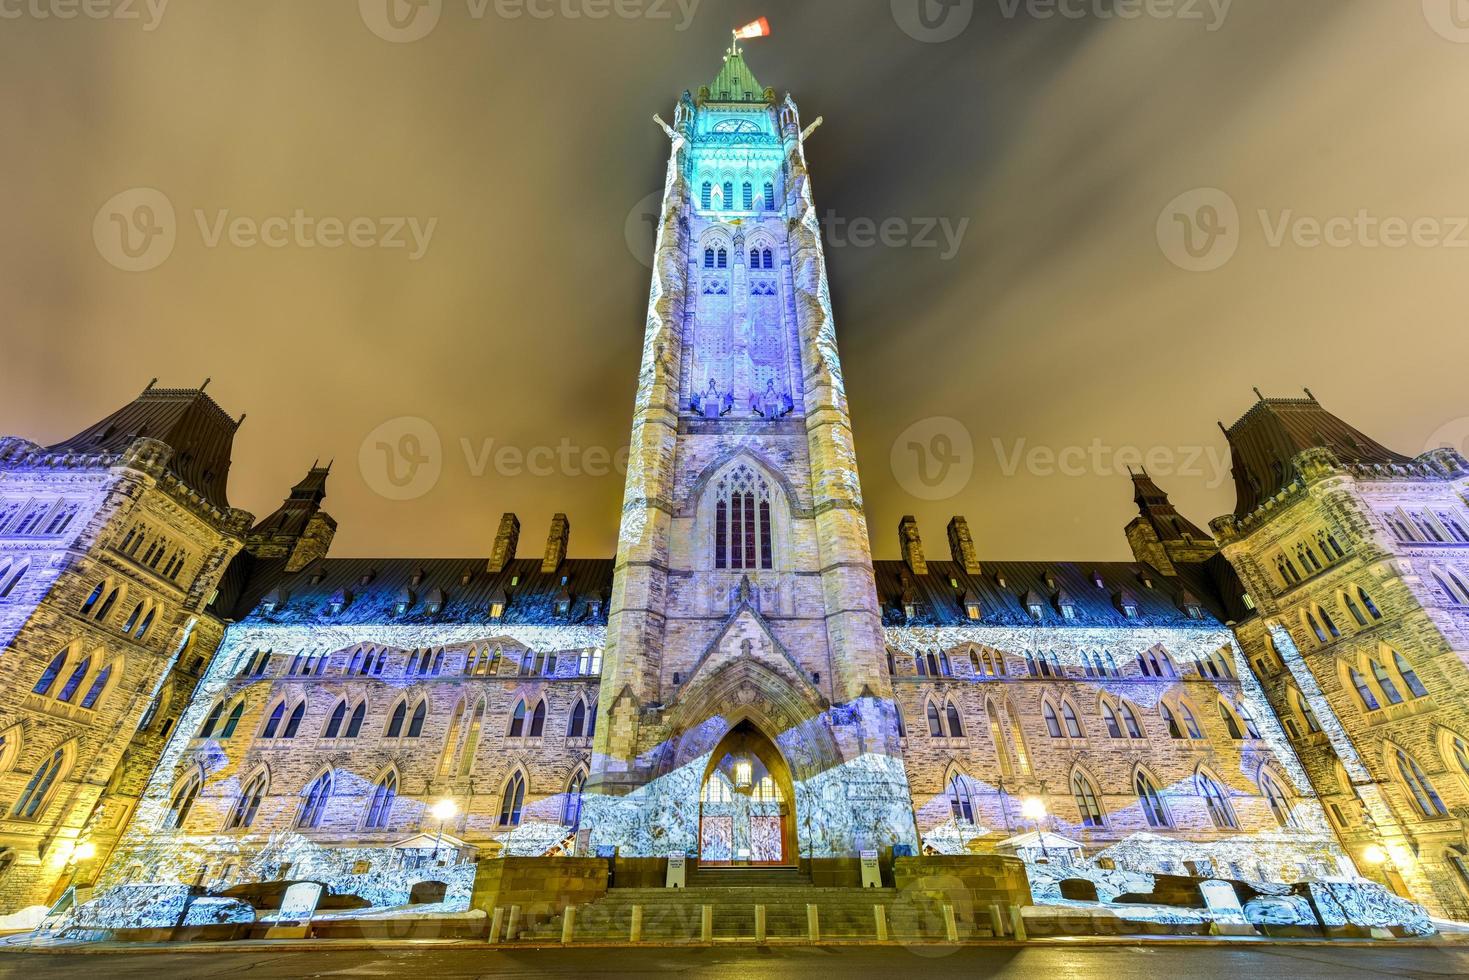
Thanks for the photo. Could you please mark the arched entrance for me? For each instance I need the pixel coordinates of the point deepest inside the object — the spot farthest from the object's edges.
(747, 804)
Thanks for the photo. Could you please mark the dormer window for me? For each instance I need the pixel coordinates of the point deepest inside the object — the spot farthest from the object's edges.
(1129, 609)
(1000, 581)
(403, 603)
(497, 610)
(1068, 611)
(1097, 580)
(563, 607)
(1193, 611)
(338, 602)
(971, 607)
(1037, 611)
(910, 610)
(434, 603)
(514, 580)
(466, 578)
(417, 579)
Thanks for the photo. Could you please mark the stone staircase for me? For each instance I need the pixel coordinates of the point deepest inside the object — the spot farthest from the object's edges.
(676, 915)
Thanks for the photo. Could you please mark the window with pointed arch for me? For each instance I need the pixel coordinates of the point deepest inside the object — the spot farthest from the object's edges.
(1425, 797)
(1231, 723)
(1279, 802)
(1364, 692)
(313, 802)
(1085, 795)
(956, 724)
(49, 675)
(742, 522)
(577, 725)
(1151, 801)
(571, 808)
(247, 804)
(273, 723)
(1073, 724)
(1109, 718)
(1216, 801)
(337, 720)
(1053, 723)
(935, 721)
(182, 803)
(512, 800)
(1410, 676)
(961, 798)
(380, 806)
(32, 802)
(1459, 749)
(517, 721)
(415, 724)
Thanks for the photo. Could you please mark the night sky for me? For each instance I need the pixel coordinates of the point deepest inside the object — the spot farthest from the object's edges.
(1058, 321)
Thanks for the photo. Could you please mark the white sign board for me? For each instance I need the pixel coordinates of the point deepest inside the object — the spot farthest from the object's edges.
(299, 902)
(871, 873)
(1223, 901)
(675, 871)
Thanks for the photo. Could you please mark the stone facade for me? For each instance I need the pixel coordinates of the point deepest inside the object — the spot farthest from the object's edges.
(1358, 561)
(112, 545)
(743, 683)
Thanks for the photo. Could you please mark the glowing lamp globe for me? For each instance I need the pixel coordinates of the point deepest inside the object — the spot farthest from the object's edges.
(1374, 855)
(1033, 808)
(85, 851)
(443, 810)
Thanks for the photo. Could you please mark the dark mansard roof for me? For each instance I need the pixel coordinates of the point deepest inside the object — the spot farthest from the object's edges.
(369, 590)
(1005, 590)
(1264, 441)
(200, 433)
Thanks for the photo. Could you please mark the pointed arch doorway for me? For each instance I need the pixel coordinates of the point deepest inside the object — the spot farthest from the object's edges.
(747, 804)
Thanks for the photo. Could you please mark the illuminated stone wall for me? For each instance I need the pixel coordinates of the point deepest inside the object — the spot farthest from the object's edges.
(112, 649)
(1395, 529)
(1045, 765)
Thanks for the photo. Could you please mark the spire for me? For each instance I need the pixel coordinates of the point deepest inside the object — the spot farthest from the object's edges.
(735, 82)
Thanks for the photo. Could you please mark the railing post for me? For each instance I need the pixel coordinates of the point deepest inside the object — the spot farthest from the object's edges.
(880, 917)
(636, 934)
(813, 922)
(706, 925)
(496, 921)
(760, 924)
(1017, 923)
(514, 924)
(568, 925)
(951, 928)
(997, 921)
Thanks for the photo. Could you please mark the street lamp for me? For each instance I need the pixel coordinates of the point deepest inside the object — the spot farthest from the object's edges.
(1374, 855)
(1034, 808)
(443, 811)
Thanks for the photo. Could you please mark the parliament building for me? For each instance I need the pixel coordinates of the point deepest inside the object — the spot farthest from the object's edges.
(192, 694)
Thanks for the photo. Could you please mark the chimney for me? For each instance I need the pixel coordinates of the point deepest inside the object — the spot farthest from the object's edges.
(961, 546)
(912, 546)
(556, 544)
(505, 541)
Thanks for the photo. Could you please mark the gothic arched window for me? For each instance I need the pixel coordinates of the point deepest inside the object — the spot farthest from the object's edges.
(274, 723)
(1086, 801)
(183, 802)
(1152, 801)
(1216, 802)
(69, 689)
(706, 195)
(247, 804)
(742, 524)
(28, 807)
(380, 810)
(233, 721)
(722, 258)
(961, 798)
(577, 726)
(1424, 795)
(769, 196)
(935, 723)
(749, 196)
(956, 727)
(99, 684)
(571, 809)
(517, 720)
(1385, 682)
(1279, 802)
(538, 720)
(415, 726)
(512, 801)
(313, 805)
(294, 725)
(728, 197)
(339, 715)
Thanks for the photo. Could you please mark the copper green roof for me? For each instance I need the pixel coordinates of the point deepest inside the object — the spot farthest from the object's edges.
(735, 82)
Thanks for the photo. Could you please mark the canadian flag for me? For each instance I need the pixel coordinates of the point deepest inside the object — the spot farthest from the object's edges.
(759, 28)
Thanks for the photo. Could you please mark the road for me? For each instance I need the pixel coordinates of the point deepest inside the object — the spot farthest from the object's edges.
(795, 963)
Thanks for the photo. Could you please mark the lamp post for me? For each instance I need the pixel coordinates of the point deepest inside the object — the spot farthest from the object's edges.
(443, 811)
(1034, 808)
